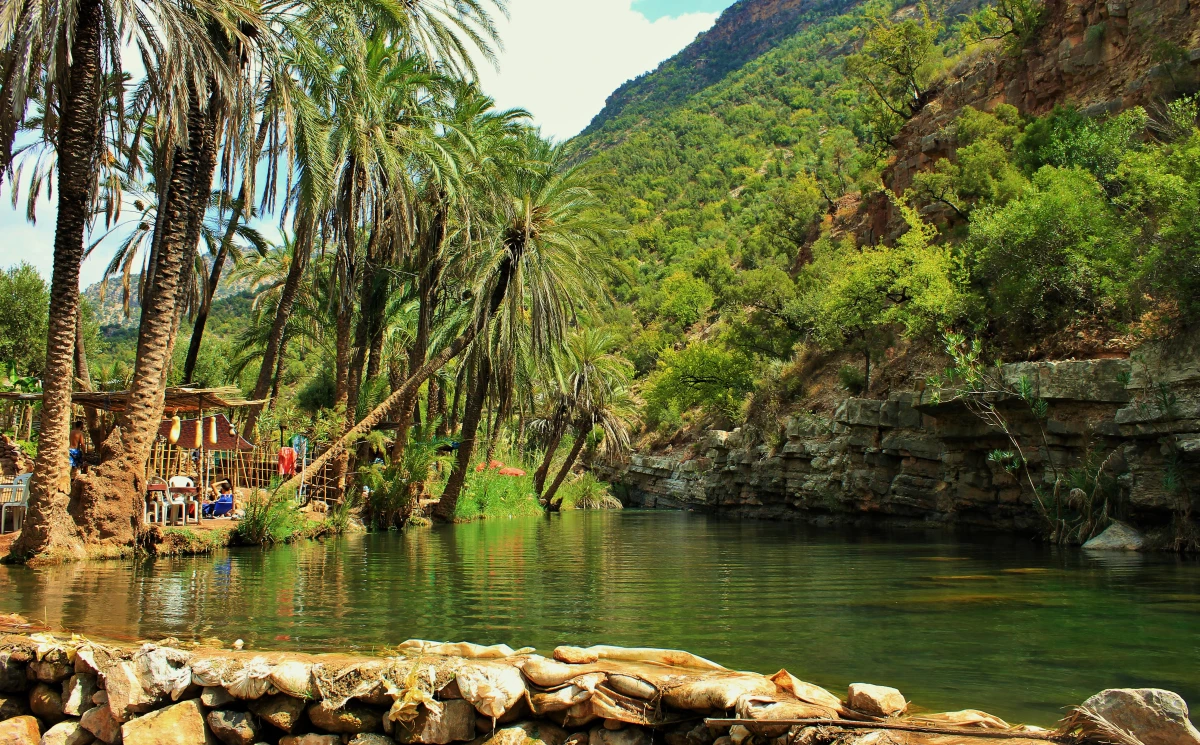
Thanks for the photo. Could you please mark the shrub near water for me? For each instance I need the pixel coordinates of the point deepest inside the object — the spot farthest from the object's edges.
(271, 517)
(487, 494)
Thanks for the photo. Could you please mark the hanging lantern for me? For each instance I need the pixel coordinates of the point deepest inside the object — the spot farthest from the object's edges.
(199, 433)
(212, 431)
(176, 429)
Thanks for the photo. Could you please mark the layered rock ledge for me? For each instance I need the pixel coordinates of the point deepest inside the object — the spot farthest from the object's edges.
(60, 690)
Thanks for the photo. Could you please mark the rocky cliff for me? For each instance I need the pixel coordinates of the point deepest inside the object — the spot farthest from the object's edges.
(1125, 434)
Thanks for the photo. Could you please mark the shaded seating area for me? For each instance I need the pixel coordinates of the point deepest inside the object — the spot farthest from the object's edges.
(14, 502)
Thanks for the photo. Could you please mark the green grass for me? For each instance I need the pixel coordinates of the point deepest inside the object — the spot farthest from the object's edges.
(586, 492)
(187, 542)
(488, 495)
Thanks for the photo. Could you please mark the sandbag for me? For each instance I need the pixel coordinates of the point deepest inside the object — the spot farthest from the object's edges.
(252, 681)
(337, 683)
(491, 689)
(674, 658)
(460, 649)
(632, 686)
(293, 678)
(964, 718)
(813, 694)
(716, 692)
(163, 671)
(560, 699)
(546, 673)
(766, 708)
(214, 671)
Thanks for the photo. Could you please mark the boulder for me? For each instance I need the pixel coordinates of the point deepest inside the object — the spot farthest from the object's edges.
(282, 711)
(350, 719)
(53, 668)
(46, 703)
(232, 727)
(125, 694)
(181, 724)
(526, 733)
(454, 723)
(23, 730)
(13, 706)
(371, 738)
(631, 735)
(67, 733)
(877, 701)
(310, 740)
(215, 697)
(1152, 715)
(100, 722)
(78, 692)
(1117, 537)
(12, 675)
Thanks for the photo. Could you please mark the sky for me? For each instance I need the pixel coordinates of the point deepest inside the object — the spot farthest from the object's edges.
(561, 60)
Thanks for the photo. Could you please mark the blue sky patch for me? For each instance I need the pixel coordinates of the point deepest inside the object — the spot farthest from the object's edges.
(655, 9)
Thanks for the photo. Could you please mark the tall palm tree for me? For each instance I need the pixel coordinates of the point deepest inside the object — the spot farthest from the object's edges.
(612, 417)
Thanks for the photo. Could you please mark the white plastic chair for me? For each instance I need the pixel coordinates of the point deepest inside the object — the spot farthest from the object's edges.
(15, 496)
(156, 501)
(181, 501)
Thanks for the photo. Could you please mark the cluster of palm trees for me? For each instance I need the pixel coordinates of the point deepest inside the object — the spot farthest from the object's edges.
(403, 192)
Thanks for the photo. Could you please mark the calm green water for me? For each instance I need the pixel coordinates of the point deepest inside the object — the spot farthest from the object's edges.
(993, 623)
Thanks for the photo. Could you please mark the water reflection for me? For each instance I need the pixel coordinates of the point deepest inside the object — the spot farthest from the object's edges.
(1023, 630)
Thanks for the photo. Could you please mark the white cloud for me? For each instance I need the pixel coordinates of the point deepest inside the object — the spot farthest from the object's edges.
(562, 58)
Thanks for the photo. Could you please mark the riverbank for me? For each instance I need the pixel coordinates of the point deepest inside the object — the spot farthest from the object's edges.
(67, 689)
(1120, 436)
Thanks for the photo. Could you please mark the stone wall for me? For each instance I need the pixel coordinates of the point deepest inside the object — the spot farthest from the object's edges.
(58, 690)
(913, 460)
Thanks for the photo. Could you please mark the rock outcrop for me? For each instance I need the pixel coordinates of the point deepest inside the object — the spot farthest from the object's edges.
(923, 459)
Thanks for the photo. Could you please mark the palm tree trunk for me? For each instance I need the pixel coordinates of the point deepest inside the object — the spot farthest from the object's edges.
(107, 502)
(48, 531)
(83, 376)
(214, 275)
(455, 407)
(462, 462)
(279, 370)
(441, 401)
(568, 464)
(341, 395)
(283, 312)
(539, 476)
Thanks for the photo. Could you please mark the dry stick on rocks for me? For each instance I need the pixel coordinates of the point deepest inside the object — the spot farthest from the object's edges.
(850, 724)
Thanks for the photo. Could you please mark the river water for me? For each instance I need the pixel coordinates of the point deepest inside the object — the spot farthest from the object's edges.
(997, 623)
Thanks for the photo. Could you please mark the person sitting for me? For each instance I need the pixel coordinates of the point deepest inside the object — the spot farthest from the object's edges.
(223, 504)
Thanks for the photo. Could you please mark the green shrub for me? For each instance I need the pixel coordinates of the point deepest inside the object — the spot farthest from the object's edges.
(396, 487)
(488, 495)
(705, 374)
(271, 517)
(851, 379)
(587, 493)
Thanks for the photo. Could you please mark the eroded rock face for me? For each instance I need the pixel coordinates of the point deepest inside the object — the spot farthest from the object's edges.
(282, 711)
(455, 722)
(21, 730)
(1154, 716)
(180, 724)
(349, 719)
(877, 701)
(215, 697)
(67, 733)
(232, 727)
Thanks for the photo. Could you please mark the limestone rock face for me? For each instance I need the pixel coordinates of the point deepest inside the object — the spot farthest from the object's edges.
(125, 695)
(1117, 537)
(877, 701)
(456, 722)
(100, 722)
(350, 719)
(13, 706)
(232, 727)
(282, 711)
(1154, 716)
(78, 692)
(22, 730)
(67, 733)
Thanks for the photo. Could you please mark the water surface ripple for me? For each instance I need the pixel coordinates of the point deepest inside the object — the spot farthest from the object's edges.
(994, 622)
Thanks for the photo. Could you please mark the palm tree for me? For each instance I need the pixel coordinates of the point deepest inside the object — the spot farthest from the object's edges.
(612, 417)
(59, 51)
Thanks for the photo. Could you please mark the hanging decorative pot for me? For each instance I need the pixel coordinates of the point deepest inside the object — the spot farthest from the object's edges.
(212, 431)
(176, 429)
(200, 432)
